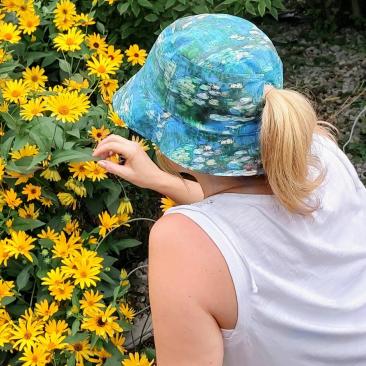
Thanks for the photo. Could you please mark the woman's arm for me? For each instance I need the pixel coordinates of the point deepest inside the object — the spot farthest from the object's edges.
(140, 170)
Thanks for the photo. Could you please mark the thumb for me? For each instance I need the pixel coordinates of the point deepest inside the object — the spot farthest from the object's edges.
(114, 168)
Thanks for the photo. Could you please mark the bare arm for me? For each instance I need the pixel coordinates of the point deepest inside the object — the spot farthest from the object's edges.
(140, 170)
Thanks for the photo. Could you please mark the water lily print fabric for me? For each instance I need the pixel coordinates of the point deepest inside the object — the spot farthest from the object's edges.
(199, 96)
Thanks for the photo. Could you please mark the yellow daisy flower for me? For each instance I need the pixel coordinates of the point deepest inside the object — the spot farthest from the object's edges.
(74, 85)
(98, 134)
(113, 116)
(6, 288)
(70, 41)
(68, 106)
(96, 42)
(125, 206)
(51, 174)
(46, 201)
(166, 203)
(45, 310)
(136, 55)
(81, 350)
(127, 311)
(67, 199)
(25, 333)
(79, 171)
(32, 192)
(26, 150)
(28, 212)
(84, 20)
(34, 77)
(95, 171)
(65, 15)
(11, 198)
(107, 223)
(20, 243)
(101, 66)
(9, 32)
(107, 87)
(15, 91)
(136, 360)
(28, 22)
(33, 108)
(48, 234)
(141, 142)
(91, 301)
(114, 55)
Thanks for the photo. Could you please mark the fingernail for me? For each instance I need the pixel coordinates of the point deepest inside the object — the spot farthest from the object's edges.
(103, 163)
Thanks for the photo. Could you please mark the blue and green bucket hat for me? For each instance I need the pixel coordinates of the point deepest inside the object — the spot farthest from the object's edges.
(200, 94)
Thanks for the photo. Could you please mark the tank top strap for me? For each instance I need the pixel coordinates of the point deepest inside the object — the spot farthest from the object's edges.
(239, 268)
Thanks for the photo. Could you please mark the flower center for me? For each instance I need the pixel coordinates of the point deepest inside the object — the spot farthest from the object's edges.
(8, 36)
(34, 78)
(15, 93)
(101, 69)
(100, 322)
(63, 109)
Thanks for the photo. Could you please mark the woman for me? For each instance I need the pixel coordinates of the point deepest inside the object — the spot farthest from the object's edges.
(263, 262)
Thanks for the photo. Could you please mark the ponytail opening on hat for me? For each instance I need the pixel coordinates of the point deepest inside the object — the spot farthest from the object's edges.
(287, 125)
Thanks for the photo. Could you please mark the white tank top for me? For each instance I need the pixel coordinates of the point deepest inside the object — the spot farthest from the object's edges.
(300, 282)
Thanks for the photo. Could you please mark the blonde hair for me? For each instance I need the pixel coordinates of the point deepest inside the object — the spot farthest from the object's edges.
(288, 122)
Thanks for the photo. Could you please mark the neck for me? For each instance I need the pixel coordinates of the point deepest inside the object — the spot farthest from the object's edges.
(247, 185)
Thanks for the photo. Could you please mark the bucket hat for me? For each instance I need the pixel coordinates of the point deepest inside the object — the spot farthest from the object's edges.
(200, 94)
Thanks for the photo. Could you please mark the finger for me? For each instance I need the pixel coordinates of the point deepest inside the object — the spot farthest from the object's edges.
(126, 150)
(120, 170)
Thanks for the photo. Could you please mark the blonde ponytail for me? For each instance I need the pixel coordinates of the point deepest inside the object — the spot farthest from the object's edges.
(288, 123)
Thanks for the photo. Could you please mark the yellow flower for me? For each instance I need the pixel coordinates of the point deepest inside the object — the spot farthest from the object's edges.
(29, 22)
(4, 107)
(26, 150)
(166, 203)
(4, 253)
(95, 171)
(75, 85)
(68, 106)
(84, 20)
(102, 66)
(28, 212)
(35, 355)
(91, 302)
(15, 91)
(51, 175)
(2, 168)
(33, 192)
(124, 278)
(81, 350)
(20, 244)
(65, 14)
(57, 327)
(125, 206)
(136, 360)
(4, 56)
(84, 266)
(98, 134)
(11, 198)
(96, 42)
(114, 55)
(122, 218)
(107, 223)
(79, 171)
(136, 55)
(102, 322)
(48, 234)
(6, 288)
(72, 227)
(21, 6)
(113, 116)
(52, 341)
(46, 201)
(76, 187)
(67, 199)
(63, 291)
(25, 333)
(118, 340)
(34, 77)
(9, 32)
(127, 312)
(65, 247)
(44, 310)
(33, 108)
(70, 41)
(141, 142)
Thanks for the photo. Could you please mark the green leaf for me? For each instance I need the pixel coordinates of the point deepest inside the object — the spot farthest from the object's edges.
(12, 122)
(26, 224)
(169, 3)
(78, 337)
(71, 360)
(8, 66)
(7, 300)
(261, 7)
(145, 3)
(100, 27)
(200, 9)
(75, 326)
(64, 65)
(250, 8)
(278, 4)
(61, 156)
(23, 277)
(117, 245)
(268, 4)
(5, 146)
(122, 7)
(151, 17)
(106, 278)
(274, 13)
(27, 164)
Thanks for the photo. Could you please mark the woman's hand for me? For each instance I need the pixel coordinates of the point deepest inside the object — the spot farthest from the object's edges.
(138, 168)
